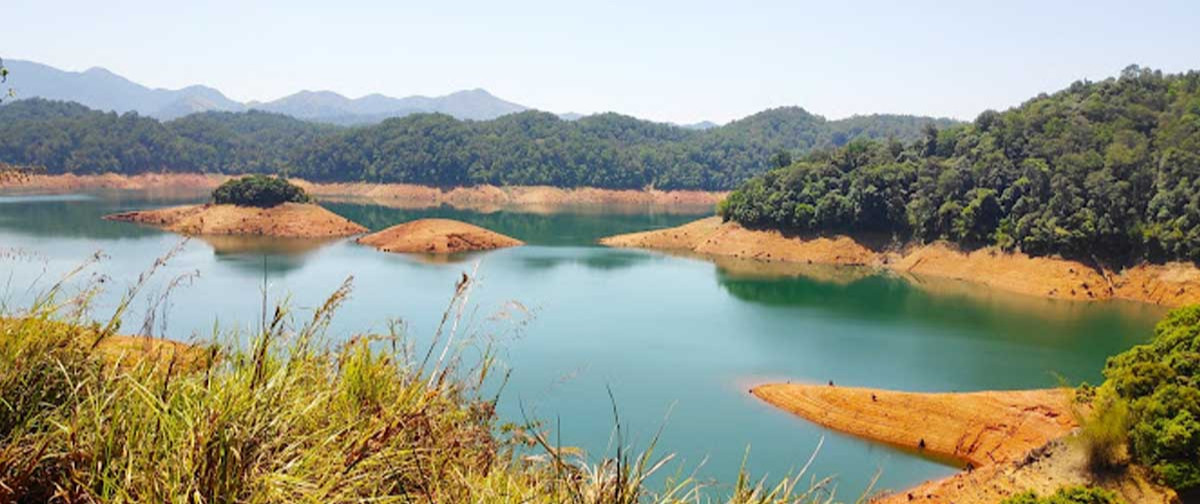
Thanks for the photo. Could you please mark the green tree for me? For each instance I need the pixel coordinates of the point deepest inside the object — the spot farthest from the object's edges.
(1160, 382)
(1104, 170)
(260, 191)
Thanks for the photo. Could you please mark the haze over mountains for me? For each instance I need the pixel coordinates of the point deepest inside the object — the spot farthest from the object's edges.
(101, 89)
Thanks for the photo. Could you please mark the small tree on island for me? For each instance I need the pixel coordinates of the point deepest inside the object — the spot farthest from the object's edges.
(259, 191)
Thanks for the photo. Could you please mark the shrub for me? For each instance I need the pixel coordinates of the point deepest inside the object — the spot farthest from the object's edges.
(1105, 434)
(260, 191)
(1068, 495)
(1160, 385)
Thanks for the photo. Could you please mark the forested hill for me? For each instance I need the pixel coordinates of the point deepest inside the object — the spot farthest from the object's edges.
(1105, 171)
(605, 150)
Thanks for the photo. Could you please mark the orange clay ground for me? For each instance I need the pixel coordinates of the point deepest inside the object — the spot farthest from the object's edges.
(403, 195)
(1011, 441)
(286, 220)
(437, 236)
(1174, 284)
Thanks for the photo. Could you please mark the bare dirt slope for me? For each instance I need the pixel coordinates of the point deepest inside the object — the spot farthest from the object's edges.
(711, 236)
(1057, 464)
(400, 195)
(437, 236)
(1013, 441)
(1014, 272)
(144, 182)
(1173, 284)
(512, 195)
(287, 220)
(979, 428)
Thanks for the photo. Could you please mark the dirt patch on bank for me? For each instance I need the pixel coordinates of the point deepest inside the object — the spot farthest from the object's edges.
(437, 236)
(1173, 284)
(69, 182)
(1014, 272)
(1014, 441)
(287, 220)
(1057, 464)
(979, 428)
(398, 195)
(521, 196)
(711, 236)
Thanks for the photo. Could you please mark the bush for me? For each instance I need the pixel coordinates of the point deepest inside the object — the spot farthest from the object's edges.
(1105, 434)
(1161, 387)
(260, 191)
(1069, 495)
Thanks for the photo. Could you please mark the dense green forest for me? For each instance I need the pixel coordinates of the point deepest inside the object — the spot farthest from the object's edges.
(1105, 171)
(605, 150)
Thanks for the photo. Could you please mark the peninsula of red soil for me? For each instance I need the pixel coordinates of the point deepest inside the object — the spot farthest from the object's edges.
(1174, 284)
(437, 236)
(1013, 441)
(979, 428)
(519, 196)
(295, 220)
(713, 237)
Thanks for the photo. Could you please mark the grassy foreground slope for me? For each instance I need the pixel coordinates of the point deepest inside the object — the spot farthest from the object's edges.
(286, 417)
(1104, 172)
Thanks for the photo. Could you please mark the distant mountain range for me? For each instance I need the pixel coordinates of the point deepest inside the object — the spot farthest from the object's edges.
(101, 89)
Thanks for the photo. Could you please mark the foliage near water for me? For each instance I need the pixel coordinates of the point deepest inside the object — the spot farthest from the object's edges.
(284, 416)
(1159, 382)
(1069, 495)
(1105, 433)
(1101, 170)
(527, 148)
(259, 191)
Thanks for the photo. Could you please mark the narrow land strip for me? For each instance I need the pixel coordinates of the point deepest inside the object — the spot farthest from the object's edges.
(406, 195)
(978, 428)
(294, 220)
(1011, 441)
(437, 236)
(1171, 284)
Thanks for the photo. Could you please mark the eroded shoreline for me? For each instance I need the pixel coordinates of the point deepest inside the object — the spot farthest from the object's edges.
(1171, 284)
(400, 195)
(1010, 441)
(287, 220)
(437, 236)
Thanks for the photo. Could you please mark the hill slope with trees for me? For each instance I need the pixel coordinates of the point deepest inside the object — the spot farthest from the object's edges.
(1101, 171)
(527, 148)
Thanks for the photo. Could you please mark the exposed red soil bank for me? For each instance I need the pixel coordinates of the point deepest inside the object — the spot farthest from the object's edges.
(489, 195)
(978, 428)
(1173, 284)
(286, 220)
(1013, 440)
(400, 194)
(437, 236)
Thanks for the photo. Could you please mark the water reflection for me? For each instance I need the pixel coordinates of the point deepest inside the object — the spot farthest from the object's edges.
(76, 216)
(601, 259)
(272, 255)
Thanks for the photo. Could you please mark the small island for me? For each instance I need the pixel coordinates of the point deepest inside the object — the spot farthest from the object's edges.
(252, 205)
(437, 236)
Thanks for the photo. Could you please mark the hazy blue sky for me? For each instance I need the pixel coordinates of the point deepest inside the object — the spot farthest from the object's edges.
(673, 60)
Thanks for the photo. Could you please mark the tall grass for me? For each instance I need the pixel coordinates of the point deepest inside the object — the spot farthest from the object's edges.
(287, 416)
(1104, 422)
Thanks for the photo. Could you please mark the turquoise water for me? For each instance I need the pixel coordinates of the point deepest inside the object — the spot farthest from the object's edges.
(678, 340)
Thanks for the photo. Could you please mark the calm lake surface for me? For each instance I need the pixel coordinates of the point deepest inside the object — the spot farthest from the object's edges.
(678, 340)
